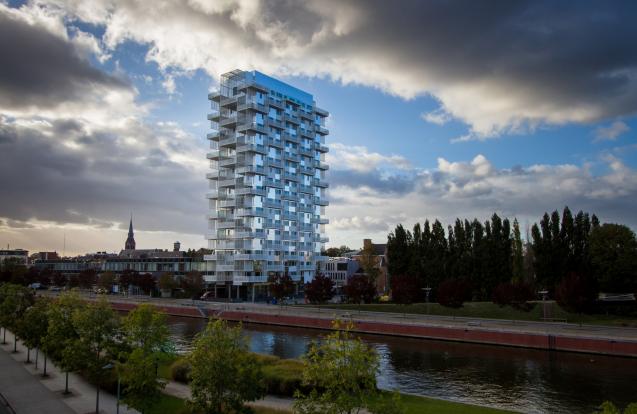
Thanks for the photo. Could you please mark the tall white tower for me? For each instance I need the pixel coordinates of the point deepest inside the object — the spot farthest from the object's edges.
(267, 184)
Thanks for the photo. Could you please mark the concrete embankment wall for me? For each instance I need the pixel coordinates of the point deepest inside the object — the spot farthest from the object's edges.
(605, 346)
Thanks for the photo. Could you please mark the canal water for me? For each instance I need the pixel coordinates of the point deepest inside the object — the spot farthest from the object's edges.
(525, 380)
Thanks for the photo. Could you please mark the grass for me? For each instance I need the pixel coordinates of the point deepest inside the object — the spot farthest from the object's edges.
(413, 405)
(491, 311)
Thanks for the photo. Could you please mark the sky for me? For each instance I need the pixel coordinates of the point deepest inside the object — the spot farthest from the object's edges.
(438, 110)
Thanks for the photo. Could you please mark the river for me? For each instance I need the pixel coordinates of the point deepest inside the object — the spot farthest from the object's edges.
(526, 380)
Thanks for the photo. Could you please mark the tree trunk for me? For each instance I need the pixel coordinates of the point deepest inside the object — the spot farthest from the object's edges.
(66, 384)
(97, 399)
(15, 344)
(28, 355)
(44, 374)
(37, 352)
(4, 337)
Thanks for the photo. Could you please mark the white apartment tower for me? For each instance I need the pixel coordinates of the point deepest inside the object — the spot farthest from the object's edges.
(267, 184)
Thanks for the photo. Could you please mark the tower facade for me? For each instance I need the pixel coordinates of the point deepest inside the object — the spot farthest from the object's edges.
(266, 183)
(130, 240)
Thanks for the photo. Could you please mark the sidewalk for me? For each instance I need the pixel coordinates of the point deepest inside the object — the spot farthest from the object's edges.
(27, 392)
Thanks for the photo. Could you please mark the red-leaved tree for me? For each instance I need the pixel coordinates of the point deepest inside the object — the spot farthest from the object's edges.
(320, 289)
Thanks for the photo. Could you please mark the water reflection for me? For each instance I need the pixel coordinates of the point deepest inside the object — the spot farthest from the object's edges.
(519, 379)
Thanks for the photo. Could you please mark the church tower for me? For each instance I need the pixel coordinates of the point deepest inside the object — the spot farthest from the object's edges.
(130, 241)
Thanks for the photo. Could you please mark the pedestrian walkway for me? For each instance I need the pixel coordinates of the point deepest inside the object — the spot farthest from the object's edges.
(27, 392)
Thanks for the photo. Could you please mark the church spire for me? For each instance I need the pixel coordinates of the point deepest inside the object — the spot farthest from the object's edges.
(130, 241)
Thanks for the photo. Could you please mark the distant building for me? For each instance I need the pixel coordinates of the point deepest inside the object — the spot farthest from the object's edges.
(45, 256)
(19, 255)
(339, 269)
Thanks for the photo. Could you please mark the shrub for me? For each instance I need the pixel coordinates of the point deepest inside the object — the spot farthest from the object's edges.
(180, 371)
(452, 292)
(283, 377)
(516, 295)
(575, 293)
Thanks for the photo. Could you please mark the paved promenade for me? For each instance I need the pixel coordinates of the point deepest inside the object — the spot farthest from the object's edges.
(28, 393)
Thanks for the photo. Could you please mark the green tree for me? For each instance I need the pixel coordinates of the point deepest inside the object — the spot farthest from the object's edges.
(106, 281)
(608, 407)
(518, 253)
(192, 284)
(61, 333)
(613, 250)
(281, 286)
(145, 331)
(14, 301)
(340, 373)
(224, 374)
(34, 324)
(166, 281)
(96, 325)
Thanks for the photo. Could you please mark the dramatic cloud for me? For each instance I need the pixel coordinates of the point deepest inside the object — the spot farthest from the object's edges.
(499, 66)
(476, 188)
(45, 70)
(611, 132)
(76, 151)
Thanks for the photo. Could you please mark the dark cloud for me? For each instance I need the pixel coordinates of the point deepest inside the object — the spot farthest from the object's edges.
(375, 182)
(40, 69)
(86, 179)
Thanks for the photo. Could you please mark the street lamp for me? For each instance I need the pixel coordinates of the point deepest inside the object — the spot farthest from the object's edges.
(427, 291)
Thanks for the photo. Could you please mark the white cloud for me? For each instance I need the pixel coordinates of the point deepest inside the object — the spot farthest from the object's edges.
(439, 116)
(611, 132)
(358, 158)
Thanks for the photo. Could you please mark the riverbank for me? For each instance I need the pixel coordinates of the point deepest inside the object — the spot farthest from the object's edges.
(551, 336)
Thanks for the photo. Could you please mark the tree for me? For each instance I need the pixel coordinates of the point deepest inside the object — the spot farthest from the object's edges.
(146, 283)
(34, 324)
(87, 278)
(404, 289)
(340, 373)
(320, 289)
(613, 250)
(575, 293)
(608, 407)
(166, 281)
(281, 286)
(96, 325)
(192, 284)
(359, 289)
(14, 301)
(127, 278)
(146, 332)
(58, 279)
(452, 293)
(518, 253)
(106, 281)
(62, 335)
(369, 263)
(224, 374)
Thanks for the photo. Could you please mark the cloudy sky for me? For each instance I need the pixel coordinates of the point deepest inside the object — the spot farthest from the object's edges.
(438, 109)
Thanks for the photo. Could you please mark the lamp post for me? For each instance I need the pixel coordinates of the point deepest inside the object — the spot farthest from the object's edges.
(427, 291)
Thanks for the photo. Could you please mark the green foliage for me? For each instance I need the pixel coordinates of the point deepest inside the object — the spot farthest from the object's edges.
(192, 284)
(340, 373)
(61, 333)
(142, 388)
(34, 324)
(166, 281)
(145, 327)
(96, 325)
(613, 250)
(106, 281)
(608, 407)
(224, 374)
(14, 301)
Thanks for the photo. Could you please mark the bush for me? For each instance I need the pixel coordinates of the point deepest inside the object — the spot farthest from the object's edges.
(575, 293)
(180, 371)
(452, 293)
(282, 376)
(516, 295)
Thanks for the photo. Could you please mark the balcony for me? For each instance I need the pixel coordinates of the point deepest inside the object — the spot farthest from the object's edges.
(323, 148)
(320, 130)
(320, 183)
